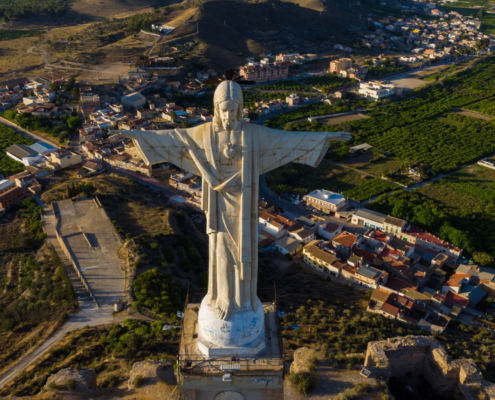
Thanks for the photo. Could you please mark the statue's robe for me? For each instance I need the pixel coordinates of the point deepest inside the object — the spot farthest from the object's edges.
(230, 195)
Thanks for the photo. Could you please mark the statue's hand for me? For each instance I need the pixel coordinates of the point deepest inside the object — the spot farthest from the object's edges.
(339, 136)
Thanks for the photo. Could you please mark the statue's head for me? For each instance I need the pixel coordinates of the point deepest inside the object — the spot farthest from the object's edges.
(228, 105)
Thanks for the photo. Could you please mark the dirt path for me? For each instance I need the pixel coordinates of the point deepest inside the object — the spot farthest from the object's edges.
(88, 314)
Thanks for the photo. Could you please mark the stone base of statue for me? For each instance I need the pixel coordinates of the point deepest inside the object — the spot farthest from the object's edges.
(217, 372)
(242, 334)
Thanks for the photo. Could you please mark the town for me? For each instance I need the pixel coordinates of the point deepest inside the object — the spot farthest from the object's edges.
(337, 245)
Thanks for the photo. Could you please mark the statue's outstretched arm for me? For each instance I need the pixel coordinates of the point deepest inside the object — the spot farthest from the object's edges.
(163, 146)
(279, 147)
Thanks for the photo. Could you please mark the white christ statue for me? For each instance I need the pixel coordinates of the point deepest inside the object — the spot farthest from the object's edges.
(230, 155)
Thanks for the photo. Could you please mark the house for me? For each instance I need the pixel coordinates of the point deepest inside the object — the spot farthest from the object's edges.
(65, 158)
(41, 147)
(303, 234)
(394, 225)
(311, 222)
(147, 114)
(326, 201)
(11, 196)
(6, 185)
(370, 277)
(37, 172)
(369, 219)
(375, 90)
(344, 242)
(23, 154)
(287, 245)
(264, 206)
(294, 99)
(330, 230)
(133, 101)
(317, 257)
(23, 179)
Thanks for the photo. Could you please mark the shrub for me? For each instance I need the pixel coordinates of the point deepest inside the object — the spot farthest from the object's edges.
(361, 387)
(346, 395)
(63, 317)
(138, 381)
(304, 384)
(70, 384)
(52, 386)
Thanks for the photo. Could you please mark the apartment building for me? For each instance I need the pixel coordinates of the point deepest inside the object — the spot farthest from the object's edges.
(342, 64)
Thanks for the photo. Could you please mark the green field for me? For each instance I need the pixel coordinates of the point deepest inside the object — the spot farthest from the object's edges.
(331, 80)
(285, 85)
(29, 8)
(384, 70)
(411, 129)
(459, 208)
(326, 176)
(370, 188)
(9, 137)
(15, 34)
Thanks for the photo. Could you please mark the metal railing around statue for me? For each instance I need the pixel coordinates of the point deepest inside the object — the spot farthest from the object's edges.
(186, 362)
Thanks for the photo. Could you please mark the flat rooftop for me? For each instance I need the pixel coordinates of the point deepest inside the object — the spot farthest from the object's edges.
(327, 196)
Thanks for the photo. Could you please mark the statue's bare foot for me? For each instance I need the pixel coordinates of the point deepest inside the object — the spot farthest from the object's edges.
(222, 309)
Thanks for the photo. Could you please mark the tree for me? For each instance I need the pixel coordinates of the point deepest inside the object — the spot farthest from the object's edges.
(75, 92)
(481, 13)
(74, 122)
(173, 115)
(88, 188)
(281, 189)
(10, 114)
(68, 49)
(482, 258)
(326, 90)
(288, 127)
(185, 124)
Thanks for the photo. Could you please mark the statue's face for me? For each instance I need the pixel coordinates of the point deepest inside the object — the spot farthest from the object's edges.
(228, 114)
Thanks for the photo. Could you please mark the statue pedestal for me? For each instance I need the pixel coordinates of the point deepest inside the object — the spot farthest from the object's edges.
(225, 375)
(242, 334)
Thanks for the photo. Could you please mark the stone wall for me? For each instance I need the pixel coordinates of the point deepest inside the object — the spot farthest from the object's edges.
(423, 355)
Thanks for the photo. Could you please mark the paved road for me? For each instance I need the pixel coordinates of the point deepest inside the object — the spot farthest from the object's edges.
(87, 314)
(298, 211)
(32, 136)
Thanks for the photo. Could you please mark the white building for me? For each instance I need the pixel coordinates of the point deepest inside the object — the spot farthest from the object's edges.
(369, 219)
(376, 90)
(326, 201)
(330, 230)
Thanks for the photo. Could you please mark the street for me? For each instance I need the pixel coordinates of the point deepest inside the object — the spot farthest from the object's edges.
(293, 211)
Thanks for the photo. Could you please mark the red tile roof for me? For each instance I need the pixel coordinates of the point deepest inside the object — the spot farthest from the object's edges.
(367, 256)
(389, 309)
(419, 233)
(331, 227)
(399, 283)
(345, 239)
(456, 279)
(380, 295)
(455, 298)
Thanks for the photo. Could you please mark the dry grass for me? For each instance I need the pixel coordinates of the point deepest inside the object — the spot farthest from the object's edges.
(15, 56)
(345, 118)
(130, 205)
